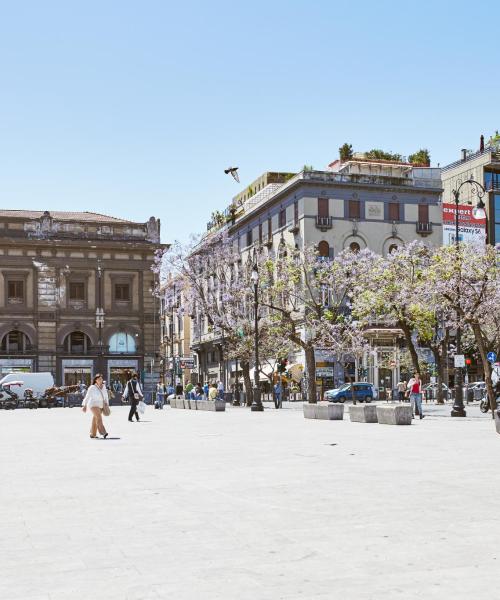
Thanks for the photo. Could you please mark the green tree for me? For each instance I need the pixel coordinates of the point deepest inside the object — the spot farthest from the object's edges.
(345, 151)
(421, 157)
(376, 153)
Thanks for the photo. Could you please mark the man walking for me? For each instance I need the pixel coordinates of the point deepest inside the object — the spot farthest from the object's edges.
(220, 390)
(401, 390)
(134, 393)
(278, 390)
(415, 387)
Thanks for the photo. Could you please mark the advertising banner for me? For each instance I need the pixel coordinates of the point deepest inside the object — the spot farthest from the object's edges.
(469, 229)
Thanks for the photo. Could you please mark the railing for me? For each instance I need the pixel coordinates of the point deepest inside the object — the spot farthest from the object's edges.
(424, 227)
(324, 222)
(495, 156)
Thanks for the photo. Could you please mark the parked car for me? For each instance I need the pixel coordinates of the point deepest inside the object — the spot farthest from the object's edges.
(363, 392)
(430, 391)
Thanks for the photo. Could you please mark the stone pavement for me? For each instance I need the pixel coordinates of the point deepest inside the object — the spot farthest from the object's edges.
(241, 505)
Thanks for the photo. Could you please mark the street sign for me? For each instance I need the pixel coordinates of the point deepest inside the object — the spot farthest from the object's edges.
(491, 356)
(186, 362)
(459, 360)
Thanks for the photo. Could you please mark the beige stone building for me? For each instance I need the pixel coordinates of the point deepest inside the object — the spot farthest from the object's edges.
(76, 295)
(354, 204)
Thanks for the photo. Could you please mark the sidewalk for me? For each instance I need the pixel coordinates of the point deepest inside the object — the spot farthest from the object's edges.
(249, 506)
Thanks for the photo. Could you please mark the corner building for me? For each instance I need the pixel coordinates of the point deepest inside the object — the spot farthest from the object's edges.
(76, 295)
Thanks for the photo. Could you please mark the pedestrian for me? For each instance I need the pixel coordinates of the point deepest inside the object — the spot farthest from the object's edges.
(205, 391)
(134, 393)
(278, 390)
(220, 390)
(415, 387)
(212, 394)
(179, 391)
(198, 392)
(97, 400)
(401, 390)
(160, 395)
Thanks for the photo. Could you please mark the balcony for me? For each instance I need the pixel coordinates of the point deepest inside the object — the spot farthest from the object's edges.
(424, 228)
(324, 223)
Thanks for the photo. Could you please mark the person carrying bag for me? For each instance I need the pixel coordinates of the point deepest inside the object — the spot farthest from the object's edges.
(96, 399)
(134, 393)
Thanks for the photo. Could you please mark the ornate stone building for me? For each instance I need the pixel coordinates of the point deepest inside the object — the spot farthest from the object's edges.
(76, 295)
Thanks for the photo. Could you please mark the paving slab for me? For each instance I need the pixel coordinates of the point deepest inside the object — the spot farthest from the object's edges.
(257, 506)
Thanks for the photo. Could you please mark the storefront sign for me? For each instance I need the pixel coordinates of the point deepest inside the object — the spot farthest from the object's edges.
(324, 371)
(469, 228)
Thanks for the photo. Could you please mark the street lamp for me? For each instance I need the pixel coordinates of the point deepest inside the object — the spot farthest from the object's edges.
(478, 212)
(256, 401)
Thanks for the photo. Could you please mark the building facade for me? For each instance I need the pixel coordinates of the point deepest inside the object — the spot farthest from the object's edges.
(76, 295)
(483, 166)
(354, 204)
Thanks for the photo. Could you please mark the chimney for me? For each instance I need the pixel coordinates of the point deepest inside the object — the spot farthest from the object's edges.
(481, 143)
(463, 152)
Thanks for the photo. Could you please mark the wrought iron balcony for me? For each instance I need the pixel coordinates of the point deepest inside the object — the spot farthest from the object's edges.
(324, 223)
(424, 228)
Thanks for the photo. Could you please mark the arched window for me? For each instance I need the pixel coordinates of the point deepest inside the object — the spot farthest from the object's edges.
(324, 249)
(122, 343)
(15, 341)
(77, 342)
(393, 248)
(354, 247)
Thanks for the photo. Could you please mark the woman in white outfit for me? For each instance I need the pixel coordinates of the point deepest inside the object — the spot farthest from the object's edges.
(95, 399)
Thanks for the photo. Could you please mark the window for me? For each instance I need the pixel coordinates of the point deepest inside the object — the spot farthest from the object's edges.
(77, 342)
(295, 212)
(393, 211)
(324, 249)
(423, 213)
(122, 292)
(354, 247)
(282, 218)
(323, 209)
(269, 228)
(497, 219)
(15, 291)
(77, 290)
(122, 343)
(354, 209)
(393, 248)
(260, 233)
(249, 237)
(15, 341)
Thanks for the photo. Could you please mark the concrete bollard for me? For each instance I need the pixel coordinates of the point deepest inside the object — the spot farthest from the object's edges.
(323, 411)
(394, 414)
(363, 413)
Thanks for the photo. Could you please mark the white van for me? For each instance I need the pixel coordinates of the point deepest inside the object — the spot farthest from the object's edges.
(38, 382)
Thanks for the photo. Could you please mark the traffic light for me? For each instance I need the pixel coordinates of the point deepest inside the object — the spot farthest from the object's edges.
(468, 362)
(282, 363)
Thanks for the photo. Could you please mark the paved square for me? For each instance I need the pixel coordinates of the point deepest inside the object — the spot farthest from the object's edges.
(241, 505)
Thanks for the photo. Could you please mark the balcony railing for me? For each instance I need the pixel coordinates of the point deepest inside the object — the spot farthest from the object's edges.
(424, 228)
(324, 222)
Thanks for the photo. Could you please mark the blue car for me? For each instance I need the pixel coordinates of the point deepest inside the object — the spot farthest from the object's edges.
(363, 392)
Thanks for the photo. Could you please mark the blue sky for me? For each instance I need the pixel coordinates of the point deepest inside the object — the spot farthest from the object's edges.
(135, 108)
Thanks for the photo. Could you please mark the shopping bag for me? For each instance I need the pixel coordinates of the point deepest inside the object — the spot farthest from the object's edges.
(141, 407)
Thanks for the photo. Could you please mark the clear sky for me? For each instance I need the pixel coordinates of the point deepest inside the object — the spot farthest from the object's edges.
(135, 108)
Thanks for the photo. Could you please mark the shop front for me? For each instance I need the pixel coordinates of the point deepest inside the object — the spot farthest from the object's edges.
(16, 365)
(76, 371)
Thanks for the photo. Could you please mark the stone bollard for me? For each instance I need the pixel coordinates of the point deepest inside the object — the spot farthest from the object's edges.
(497, 420)
(363, 413)
(324, 411)
(394, 414)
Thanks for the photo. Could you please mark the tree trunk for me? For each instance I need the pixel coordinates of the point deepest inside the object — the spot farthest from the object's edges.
(247, 382)
(411, 345)
(349, 379)
(436, 351)
(486, 366)
(311, 373)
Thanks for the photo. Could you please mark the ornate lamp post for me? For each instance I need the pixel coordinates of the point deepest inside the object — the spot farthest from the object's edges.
(99, 318)
(458, 409)
(256, 401)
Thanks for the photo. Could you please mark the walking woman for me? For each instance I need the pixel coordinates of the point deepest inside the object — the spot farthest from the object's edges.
(97, 400)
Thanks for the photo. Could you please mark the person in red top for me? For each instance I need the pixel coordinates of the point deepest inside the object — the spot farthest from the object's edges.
(415, 387)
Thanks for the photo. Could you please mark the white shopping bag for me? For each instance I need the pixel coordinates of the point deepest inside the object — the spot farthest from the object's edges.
(141, 407)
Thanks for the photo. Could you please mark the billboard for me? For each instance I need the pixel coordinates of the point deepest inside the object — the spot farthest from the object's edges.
(469, 229)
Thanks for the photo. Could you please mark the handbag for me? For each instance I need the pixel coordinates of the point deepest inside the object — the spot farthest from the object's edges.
(141, 407)
(106, 411)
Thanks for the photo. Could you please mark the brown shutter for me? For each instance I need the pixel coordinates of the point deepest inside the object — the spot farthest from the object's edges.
(354, 209)
(423, 213)
(323, 210)
(394, 211)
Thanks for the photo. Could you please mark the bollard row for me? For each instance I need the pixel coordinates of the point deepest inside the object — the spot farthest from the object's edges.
(214, 406)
